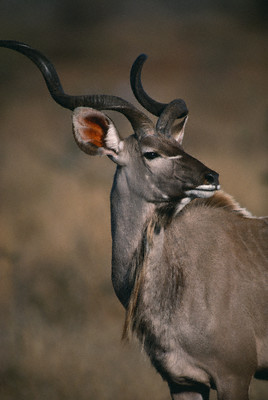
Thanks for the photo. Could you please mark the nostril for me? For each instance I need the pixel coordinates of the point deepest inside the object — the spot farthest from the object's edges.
(212, 178)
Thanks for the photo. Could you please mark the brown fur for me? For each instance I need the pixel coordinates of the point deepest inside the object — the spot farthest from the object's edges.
(137, 268)
(162, 217)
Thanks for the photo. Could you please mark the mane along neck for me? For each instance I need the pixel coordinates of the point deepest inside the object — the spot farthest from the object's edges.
(152, 239)
(221, 200)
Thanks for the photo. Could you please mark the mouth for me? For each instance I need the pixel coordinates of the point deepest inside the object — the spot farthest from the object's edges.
(203, 191)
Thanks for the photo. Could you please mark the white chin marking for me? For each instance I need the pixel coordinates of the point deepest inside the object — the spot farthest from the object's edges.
(208, 187)
(203, 191)
(182, 204)
(200, 193)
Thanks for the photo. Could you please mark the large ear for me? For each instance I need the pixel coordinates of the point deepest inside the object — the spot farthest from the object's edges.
(95, 133)
(178, 130)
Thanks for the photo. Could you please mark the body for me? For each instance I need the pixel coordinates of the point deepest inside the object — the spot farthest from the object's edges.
(206, 305)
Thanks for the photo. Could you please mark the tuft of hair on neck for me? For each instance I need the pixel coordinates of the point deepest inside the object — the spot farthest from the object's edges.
(222, 200)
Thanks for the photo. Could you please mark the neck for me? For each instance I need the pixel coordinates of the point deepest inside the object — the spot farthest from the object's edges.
(129, 212)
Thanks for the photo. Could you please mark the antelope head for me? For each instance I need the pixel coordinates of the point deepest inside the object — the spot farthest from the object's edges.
(151, 161)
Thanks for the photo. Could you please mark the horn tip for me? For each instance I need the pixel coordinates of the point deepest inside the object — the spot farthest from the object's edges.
(142, 57)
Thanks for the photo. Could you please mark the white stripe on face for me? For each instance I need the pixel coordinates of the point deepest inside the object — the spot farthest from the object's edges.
(174, 157)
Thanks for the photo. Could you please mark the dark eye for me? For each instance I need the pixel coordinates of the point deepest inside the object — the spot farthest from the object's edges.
(150, 155)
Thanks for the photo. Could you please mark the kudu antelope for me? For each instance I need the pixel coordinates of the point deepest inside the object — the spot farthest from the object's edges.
(188, 264)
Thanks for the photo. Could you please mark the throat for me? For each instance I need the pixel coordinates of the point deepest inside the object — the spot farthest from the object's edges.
(129, 213)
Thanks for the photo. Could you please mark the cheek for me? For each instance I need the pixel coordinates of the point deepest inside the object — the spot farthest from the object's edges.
(166, 187)
(160, 181)
(174, 190)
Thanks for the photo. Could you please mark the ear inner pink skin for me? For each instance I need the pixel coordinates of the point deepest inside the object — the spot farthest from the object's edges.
(94, 129)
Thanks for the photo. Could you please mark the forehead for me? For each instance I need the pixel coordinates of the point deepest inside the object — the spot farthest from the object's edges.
(160, 144)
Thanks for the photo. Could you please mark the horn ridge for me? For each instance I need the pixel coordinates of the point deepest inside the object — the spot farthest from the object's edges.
(139, 121)
(167, 113)
(44, 65)
(174, 110)
(151, 105)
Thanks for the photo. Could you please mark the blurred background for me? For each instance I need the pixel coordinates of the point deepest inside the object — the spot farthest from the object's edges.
(60, 321)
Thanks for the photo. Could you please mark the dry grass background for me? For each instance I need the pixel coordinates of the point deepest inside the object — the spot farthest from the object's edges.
(60, 322)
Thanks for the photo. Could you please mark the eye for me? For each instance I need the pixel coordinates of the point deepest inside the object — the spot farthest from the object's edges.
(150, 155)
